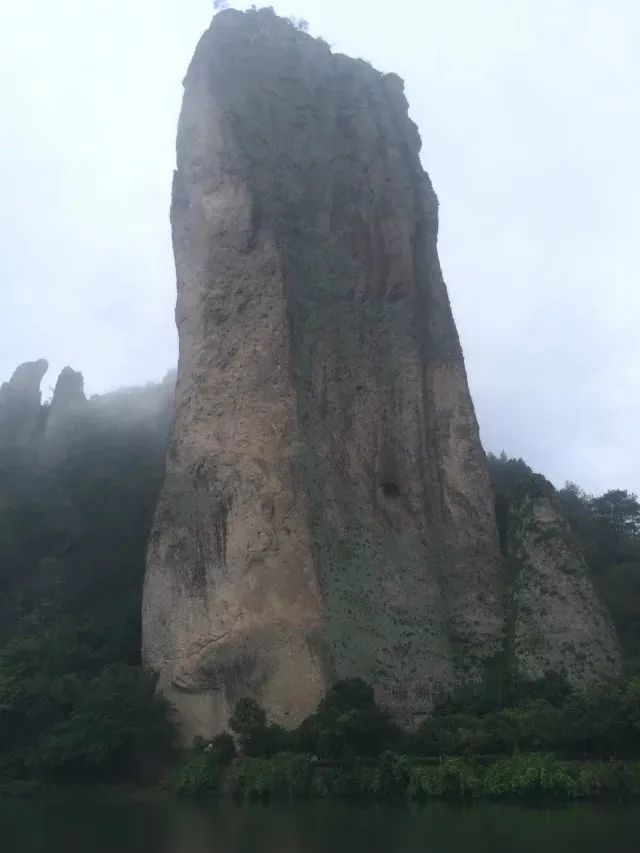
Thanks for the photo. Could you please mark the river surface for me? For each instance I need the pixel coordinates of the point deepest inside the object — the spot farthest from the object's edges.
(108, 824)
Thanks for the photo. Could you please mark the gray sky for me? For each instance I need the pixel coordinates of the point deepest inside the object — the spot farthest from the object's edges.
(529, 112)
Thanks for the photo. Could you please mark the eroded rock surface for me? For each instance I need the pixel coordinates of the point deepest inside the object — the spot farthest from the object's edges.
(559, 623)
(327, 510)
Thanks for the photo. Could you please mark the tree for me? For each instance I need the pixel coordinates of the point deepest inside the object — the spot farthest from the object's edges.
(257, 739)
(247, 716)
(347, 722)
(114, 716)
(620, 510)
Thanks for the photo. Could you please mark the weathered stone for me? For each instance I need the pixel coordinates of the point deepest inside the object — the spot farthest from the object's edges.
(327, 510)
(558, 621)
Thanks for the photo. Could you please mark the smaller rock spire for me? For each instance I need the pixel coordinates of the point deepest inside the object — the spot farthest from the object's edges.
(20, 405)
(69, 391)
(66, 413)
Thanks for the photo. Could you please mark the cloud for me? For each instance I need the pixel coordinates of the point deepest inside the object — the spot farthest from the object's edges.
(529, 119)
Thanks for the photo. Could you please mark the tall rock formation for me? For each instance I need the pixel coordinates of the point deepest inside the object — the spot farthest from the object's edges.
(21, 419)
(66, 417)
(327, 510)
(557, 620)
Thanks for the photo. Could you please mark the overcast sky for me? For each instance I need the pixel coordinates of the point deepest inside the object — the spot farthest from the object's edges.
(529, 111)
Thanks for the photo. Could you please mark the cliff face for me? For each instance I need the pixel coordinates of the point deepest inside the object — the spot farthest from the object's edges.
(559, 622)
(327, 510)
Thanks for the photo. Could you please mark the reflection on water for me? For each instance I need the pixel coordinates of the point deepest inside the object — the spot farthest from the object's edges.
(85, 823)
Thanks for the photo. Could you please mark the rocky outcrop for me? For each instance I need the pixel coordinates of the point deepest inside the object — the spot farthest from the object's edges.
(558, 622)
(327, 510)
(44, 434)
(21, 417)
(66, 417)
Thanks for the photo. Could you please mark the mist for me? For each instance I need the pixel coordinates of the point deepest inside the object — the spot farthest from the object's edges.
(529, 120)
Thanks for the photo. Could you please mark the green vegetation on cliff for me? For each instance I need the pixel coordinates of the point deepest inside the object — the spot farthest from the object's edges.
(606, 529)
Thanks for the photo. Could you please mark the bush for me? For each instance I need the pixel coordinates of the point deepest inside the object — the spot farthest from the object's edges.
(425, 782)
(266, 741)
(600, 781)
(632, 779)
(198, 775)
(348, 722)
(454, 777)
(352, 779)
(247, 717)
(284, 776)
(460, 778)
(320, 785)
(111, 717)
(257, 739)
(529, 775)
(596, 781)
(224, 748)
(252, 778)
(392, 775)
(293, 775)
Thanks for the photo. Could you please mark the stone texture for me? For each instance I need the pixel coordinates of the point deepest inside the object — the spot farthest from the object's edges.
(327, 510)
(559, 623)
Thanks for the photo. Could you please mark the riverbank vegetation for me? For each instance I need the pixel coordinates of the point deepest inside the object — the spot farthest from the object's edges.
(474, 745)
(289, 776)
(76, 705)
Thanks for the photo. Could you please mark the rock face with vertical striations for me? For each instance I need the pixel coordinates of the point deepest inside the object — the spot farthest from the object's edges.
(327, 510)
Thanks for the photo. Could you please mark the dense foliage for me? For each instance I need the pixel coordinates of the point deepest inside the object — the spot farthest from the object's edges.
(395, 776)
(199, 772)
(348, 722)
(544, 715)
(535, 739)
(74, 702)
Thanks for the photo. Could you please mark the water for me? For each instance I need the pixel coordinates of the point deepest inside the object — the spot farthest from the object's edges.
(87, 824)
